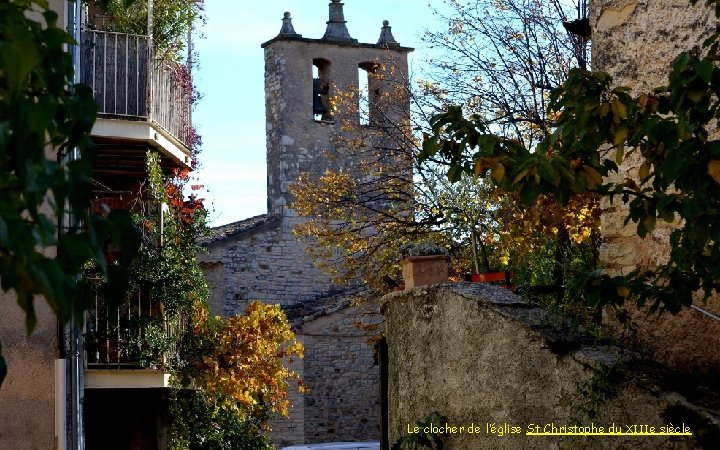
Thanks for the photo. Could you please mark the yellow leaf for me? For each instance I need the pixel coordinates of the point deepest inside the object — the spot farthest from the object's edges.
(479, 166)
(618, 108)
(714, 170)
(619, 154)
(498, 172)
(645, 170)
(696, 95)
(621, 135)
(592, 176)
(521, 175)
(623, 291)
(604, 109)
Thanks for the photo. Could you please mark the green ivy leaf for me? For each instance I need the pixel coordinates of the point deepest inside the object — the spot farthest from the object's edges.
(704, 69)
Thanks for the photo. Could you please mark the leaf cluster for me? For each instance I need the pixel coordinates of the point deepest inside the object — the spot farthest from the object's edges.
(244, 368)
(198, 424)
(596, 128)
(237, 362)
(172, 21)
(382, 198)
(173, 228)
(41, 111)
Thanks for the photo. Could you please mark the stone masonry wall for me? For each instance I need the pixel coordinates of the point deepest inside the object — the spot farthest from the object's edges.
(636, 42)
(296, 142)
(287, 431)
(344, 399)
(481, 356)
(266, 263)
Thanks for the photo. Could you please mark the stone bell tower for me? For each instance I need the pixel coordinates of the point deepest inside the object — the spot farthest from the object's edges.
(309, 87)
(303, 78)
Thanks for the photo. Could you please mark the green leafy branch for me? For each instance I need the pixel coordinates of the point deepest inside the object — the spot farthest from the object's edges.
(596, 127)
(40, 111)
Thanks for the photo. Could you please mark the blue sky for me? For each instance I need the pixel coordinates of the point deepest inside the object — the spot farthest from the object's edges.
(231, 115)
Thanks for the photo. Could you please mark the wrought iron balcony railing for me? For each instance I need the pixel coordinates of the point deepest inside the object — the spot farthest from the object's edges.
(128, 83)
(136, 333)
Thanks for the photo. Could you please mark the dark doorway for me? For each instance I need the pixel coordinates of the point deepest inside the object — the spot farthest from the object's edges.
(125, 419)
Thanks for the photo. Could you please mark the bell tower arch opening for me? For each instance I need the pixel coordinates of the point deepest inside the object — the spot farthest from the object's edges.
(369, 92)
(322, 108)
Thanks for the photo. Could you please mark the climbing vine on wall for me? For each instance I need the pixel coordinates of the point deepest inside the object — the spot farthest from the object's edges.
(239, 363)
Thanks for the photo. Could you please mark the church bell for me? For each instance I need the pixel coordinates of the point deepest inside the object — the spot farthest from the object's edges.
(318, 91)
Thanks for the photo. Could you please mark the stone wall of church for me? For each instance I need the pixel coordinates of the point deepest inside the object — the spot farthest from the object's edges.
(265, 263)
(268, 263)
(343, 403)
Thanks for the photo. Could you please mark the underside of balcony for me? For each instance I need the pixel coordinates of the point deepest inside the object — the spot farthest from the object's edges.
(129, 378)
(146, 133)
(121, 164)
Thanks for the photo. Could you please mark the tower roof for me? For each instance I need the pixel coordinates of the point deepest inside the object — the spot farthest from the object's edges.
(336, 32)
(336, 29)
(287, 29)
(386, 38)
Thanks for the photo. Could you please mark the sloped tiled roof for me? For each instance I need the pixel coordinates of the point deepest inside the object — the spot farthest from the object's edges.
(235, 228)
(309, 310)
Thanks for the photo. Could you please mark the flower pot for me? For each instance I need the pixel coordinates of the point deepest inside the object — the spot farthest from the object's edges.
(506, 277)
(110, 351)
(425, 270)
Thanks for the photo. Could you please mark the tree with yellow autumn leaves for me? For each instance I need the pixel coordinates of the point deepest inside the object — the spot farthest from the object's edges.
(501, 68)
(238, 364)
(245, 368)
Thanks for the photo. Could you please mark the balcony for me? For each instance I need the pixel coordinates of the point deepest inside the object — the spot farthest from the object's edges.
(141, 101)
(131, 345)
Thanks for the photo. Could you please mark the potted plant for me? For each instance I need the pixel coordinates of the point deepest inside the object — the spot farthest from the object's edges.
(479, 249)
(471, 214)
(424, 264)
(103, 347)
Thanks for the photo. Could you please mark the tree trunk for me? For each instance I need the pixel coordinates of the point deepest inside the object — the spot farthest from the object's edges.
(563, 240)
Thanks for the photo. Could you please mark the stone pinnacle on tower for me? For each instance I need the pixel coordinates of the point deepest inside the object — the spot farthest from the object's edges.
(386, 37)
(336, 29)
(287, 29)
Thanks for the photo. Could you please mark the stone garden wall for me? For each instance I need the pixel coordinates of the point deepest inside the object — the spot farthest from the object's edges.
(500, 368)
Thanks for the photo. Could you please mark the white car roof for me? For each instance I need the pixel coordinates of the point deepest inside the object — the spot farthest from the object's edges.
(337, 446)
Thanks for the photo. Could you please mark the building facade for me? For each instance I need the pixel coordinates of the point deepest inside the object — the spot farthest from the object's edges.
(260, 258)
(57, 395)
